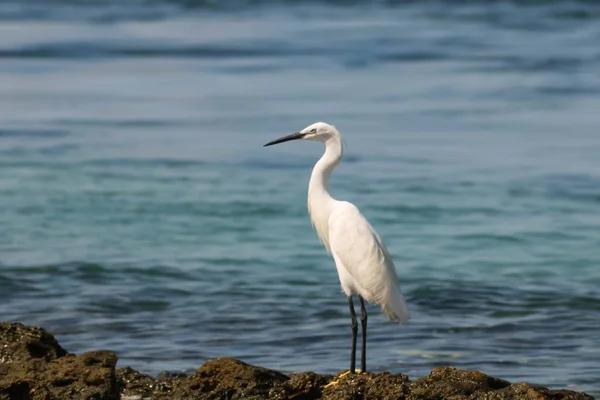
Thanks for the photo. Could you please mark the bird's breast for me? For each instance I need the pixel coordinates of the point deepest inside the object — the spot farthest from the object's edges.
(319, 216)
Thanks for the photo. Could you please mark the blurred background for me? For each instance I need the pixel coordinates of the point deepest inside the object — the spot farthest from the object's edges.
(139, 212)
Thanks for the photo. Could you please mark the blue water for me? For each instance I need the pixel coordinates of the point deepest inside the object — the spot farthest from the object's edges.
(139, 212)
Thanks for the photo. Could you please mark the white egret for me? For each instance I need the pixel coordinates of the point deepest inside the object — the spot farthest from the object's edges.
(363, 263)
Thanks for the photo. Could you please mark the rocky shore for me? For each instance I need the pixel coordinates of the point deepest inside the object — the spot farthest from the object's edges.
(34, 366)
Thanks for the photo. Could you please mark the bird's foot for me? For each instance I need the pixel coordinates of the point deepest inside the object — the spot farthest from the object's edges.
(339, 378)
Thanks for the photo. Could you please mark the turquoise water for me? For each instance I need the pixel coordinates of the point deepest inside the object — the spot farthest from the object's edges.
(139, 212)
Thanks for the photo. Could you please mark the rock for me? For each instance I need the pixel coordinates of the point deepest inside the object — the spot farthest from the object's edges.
(305, 385)
(228, 378)
(20, 343)
(453, 383)
(132, 383)
(34, 366)
(456, 384)
(89, 375)
(384, 386)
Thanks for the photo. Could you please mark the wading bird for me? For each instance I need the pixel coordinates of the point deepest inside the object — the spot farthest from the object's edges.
(363, 263)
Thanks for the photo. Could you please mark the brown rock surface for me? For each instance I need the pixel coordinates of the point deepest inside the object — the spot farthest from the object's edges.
(133, 383)
(230, 379)
(223, 378)
(20, 343)
(34, 366)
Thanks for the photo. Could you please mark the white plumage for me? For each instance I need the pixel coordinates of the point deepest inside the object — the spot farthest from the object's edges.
(364, 265)
(359, 251)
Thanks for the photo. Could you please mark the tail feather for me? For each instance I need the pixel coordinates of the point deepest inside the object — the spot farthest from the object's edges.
(395, 307)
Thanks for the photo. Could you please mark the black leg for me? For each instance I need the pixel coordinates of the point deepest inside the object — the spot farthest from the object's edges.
(354, 333)
(363, 322)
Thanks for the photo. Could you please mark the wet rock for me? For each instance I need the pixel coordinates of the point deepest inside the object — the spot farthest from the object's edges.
(456, 384)
(453, 383)
(166, 383)
(34, 366)
(302, 386)
(132, 383)
(384, 386)
(86, 376)
(228, 378)
(21, 343)
(528, 392)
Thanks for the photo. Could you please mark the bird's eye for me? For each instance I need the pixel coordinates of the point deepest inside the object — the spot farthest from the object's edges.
(313, 130)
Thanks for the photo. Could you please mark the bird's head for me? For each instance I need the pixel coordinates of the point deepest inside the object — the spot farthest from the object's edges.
(319, 131)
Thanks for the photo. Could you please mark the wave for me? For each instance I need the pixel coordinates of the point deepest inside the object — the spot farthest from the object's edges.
(109, 11)
(90, 49)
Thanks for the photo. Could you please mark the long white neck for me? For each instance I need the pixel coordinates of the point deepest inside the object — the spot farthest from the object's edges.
(319, 199)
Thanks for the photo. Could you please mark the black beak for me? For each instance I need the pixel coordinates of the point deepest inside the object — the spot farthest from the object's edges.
(287, 138)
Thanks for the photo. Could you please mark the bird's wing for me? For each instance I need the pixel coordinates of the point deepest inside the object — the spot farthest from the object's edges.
(362, 253)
